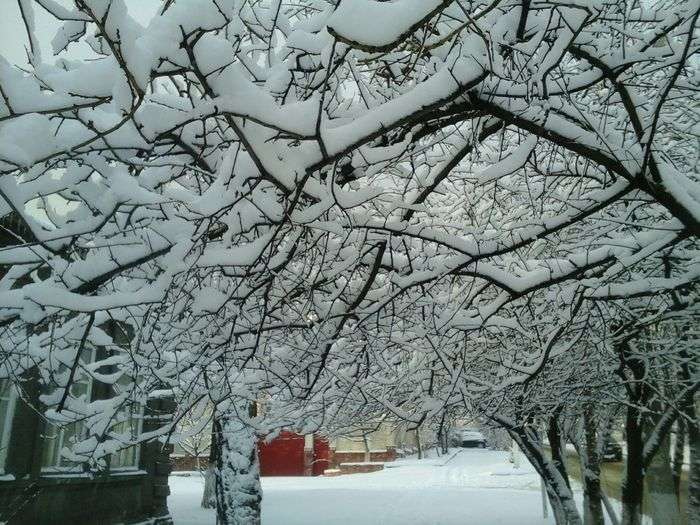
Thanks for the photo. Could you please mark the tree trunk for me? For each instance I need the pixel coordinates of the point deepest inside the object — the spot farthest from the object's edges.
(693, 429)
(590, 472)
(560, 496)
(419, 444)
(677, 467)
(556, 505)
(209, 495)
(441, 446)
(555, 445)
(238, 492)
(443, 432)
(633, 484)
(663, 503)
(612, 515)
(368, 452)
(688, 375)
(515, 454)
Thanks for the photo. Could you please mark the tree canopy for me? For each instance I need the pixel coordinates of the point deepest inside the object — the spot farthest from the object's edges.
(407, 207)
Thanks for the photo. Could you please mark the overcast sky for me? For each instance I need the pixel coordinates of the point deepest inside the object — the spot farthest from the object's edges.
(13, 37)
(13, 42)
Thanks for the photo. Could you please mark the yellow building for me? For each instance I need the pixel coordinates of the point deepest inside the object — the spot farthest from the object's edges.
(383, 441)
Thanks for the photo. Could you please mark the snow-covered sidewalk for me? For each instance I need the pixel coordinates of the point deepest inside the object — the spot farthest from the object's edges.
(473, 487)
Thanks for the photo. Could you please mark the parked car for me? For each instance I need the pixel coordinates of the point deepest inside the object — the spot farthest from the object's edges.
(612, 450)
(468, 438)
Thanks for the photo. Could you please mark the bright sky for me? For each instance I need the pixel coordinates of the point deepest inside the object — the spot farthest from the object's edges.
(13, 36)
(14, 41)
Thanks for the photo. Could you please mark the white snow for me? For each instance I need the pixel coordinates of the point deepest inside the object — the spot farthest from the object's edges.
(379, 24)
(472, 486)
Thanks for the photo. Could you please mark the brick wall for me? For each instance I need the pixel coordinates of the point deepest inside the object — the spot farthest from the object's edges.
(185, 463)
(339, 457)
(359, 468)
(275, 457)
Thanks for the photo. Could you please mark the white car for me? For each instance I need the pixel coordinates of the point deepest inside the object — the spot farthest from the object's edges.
(468, 438)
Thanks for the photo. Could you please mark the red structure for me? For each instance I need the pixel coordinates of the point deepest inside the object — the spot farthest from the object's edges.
(286, 455)
(283, 456)
(322, 455)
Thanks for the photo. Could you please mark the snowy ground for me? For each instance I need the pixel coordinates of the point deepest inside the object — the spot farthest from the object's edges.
(473, 487)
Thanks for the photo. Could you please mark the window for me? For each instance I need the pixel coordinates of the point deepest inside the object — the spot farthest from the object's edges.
(8, 397)
(127, 430)
(57, 441)
(127, 458)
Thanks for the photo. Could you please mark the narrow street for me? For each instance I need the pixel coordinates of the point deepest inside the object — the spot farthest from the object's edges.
(466, 486)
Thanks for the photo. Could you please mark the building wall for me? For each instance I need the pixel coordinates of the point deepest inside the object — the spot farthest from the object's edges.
(359, 457)
(378, 440)
(30, 497)
(387, 436)
(283, 456)
(49, 501)
(187, 463)
(289, 454)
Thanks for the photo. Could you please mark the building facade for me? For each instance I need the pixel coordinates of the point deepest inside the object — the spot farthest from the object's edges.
(39, 485)
(382, 441)
(288, 454)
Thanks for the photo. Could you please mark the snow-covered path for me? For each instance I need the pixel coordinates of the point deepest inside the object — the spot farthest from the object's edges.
(473, 487)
